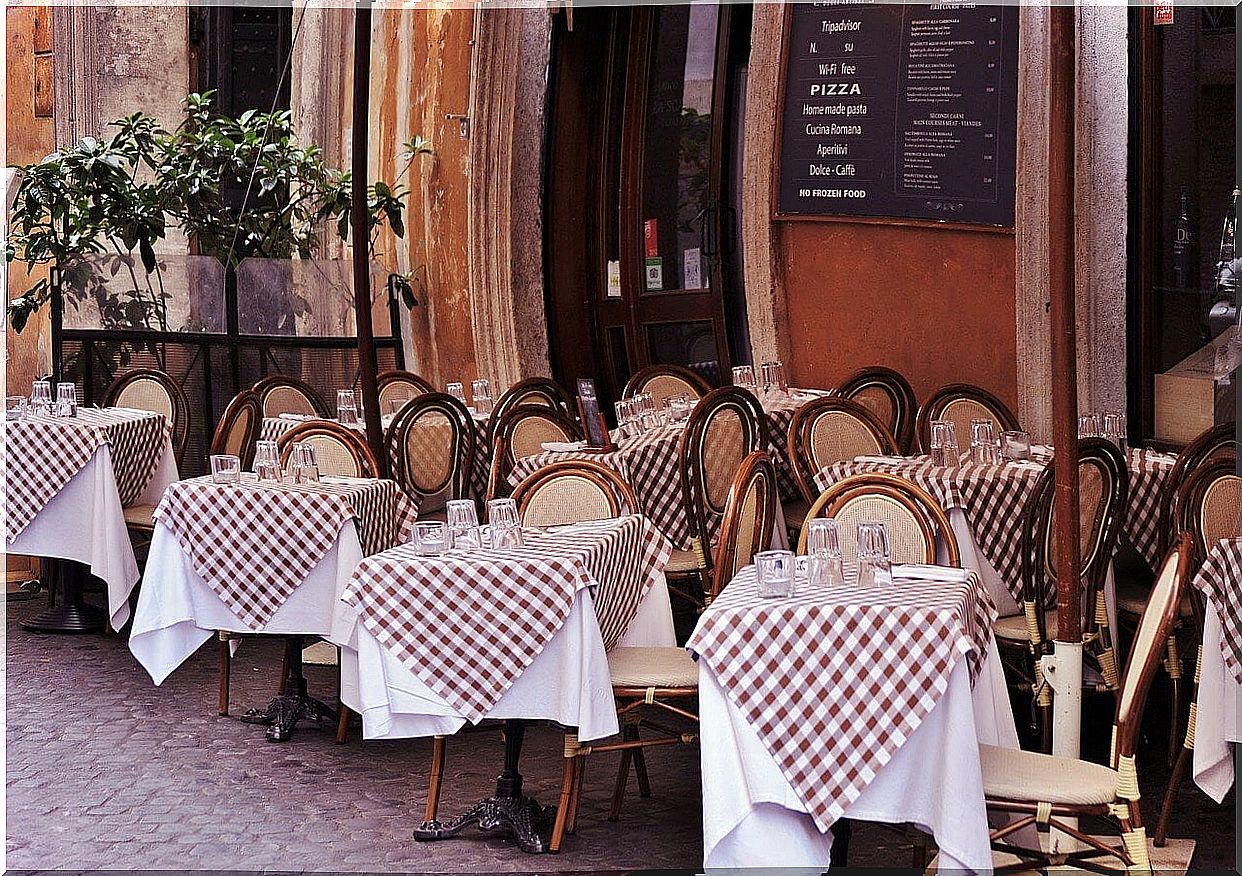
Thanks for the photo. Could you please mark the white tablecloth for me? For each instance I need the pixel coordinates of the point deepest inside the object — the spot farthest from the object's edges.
(178, 612)
(1217, 724)
(85, 522)
(568, 682)
(753, 818)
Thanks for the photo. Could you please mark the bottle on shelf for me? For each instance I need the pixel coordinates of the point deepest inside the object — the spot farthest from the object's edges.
(1185, 246)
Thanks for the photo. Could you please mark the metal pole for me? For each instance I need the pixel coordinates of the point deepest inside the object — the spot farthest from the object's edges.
(367, 365)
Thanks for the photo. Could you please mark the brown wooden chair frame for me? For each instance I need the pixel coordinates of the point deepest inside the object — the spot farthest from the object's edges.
(245, 400)
(396, 438)
(801, 450)
(274, 381)
(643, 376)
(353, 441)
(553, 394)
(396, 375)
(502, 450)
(941, 398)
(620, 495)
(900, 395)
(180, 403)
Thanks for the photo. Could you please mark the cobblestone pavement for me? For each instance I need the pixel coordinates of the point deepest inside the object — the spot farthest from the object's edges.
(107, 771)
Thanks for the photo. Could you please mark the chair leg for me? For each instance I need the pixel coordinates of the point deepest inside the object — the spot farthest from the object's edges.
(437, 776)
(1045, 728)
(226, 666)
(1134, 840)
(1175, 708)
(623, 776)
(1175, 781)
(568, 775)
(342, 724)
(575, 798)
(640, 770)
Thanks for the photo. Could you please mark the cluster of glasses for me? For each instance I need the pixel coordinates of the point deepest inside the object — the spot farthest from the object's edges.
(40, 404)
(825, 565)
(303, 464)
(480, 389)
(875, 565)
(640, 413)
(984, 445)
(776, 571)
(225, 469)
(1110, 425)
(773, 373)
(462, 531)
(944, 443)
(346, 407)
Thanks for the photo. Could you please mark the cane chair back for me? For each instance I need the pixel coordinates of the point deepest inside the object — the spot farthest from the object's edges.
(288, 395)
(749, 518)
(521, 432)
(572, 491)
(534, 391)
(339, 451)
(828, 430)
(239, 428)
(431, 441)
(666, 381)
(1209, 505)
(1212, 444)
(725, 427)
(959, 403)
(396, 385)
(149, 389)
(889, 396)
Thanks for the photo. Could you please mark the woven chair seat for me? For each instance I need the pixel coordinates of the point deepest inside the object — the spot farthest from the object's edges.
(795, 513)
(682, 563)
(652, 667)
(1013, 628)
(139, 516)
(1013, 774)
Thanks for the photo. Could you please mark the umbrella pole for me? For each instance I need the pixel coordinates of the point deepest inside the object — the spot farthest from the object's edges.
(367, 365)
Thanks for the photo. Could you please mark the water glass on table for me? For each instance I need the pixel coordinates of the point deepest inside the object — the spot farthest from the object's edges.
(944, 443)
(1089, 425)
(1015, 446)
(463, 524)
(502, 518)
(983, 441)
(66, 400)
(430, 538)
(346, 408)
(41, 398)
(627, 425)
(396, 404)
(744, 376)
(678, 408)
(774, 378)
(303, 464)
(225, 469)
(457, 391)
(774, 574)
(825, 566)
(267, 460)
(481, 390)
(15, 408)
(1113, 428)
(874, 560)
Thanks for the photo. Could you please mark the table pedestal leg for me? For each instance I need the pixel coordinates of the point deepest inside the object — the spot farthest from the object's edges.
(293, 703)
(508, 810)
(73, 614)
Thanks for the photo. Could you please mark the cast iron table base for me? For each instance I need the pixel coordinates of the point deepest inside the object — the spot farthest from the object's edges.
(72, 614)
(508, 811)
(293, 703)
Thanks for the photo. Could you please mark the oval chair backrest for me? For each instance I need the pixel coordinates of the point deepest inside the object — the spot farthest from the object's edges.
(748, 522)
(959, 403)
(532, 392)
(148, 389)
(889, 396)
(400, 386)
(286, 395)
(829, 430)
(521, 432)
(571, 492)
(1103, 491)
(724, 428)
(666, 381)
(1209, 505)
(910, 537)
(339, 451)
(239, 428)
(432, 441)
(1213, 443)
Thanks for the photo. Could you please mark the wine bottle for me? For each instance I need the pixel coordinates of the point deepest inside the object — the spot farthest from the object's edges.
(1185, 257)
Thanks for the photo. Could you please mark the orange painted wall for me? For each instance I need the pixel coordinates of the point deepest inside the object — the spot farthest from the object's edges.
(936, 304)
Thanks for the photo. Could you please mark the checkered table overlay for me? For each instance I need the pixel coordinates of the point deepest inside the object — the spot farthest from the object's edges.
(255, 543)
(44, 453)
(835, 679)
(1220, 580)
(469, 623)
(993, 498)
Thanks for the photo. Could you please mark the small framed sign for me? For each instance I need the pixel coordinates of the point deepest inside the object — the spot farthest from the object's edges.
(593, 425)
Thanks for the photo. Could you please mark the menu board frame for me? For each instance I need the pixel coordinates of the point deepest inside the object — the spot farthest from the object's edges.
(777, 166)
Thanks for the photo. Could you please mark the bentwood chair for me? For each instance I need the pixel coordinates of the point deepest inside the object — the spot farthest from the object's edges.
(521, 432)
(288, 395)
(339, 450)
(665, 680)
(431, 444)
(824, 431)
(398, 385)
(571, 491)
(666, 381)
(536, 391)
(1044, 791)
(889, 396)
(725, 427)
(239, 428)
(1209, 507)
(913, 519)
(149, 389)
(959, 403)
(1023, 639)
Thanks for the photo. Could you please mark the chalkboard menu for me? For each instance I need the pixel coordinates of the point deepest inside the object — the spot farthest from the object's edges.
(901, 111)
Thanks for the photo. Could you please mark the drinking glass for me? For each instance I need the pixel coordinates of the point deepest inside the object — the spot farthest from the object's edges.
(774, 574)
(874, 560)
(457, 391)
(774, 377)
(502, 516)
(744, 376)
(1114, 429)
(303, 464)
(463, 524)
(396, 404)
(225, 469)
(346, 408)
(267, 460)
(1089, 426)
(944, 443)
(823, 548)
(430, 538)
(983, 441)
(41, 398)
(678, 408)
(66, 400)
(1015, 446)
(625, 413)
(481, 390)
(15, 407)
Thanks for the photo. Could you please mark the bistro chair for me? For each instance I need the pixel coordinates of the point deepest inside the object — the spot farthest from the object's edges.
(397, 384)
(1022, 639)
(824, 431)
(239, 428)
(571, 491)
(725, 427)
(889, 396)
(431, 444)
(666, 381)
(522, 432)
(149, 389)
(536, 391)
(288, 395)
(339, 450)
(959, 403)
(667, 679)
(912, 518)
(1208, 508)
(1041, 789)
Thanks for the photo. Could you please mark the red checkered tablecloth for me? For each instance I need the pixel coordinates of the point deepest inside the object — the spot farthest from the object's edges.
(469, 623)
(1149, 478)
(44, 453)
(254, 543)
(1220, 580)
(868, 666)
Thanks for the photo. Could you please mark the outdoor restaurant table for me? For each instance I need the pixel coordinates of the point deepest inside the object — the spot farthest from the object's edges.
(256, 557)
(1220, 679)
(69, 479)
(865, 703)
